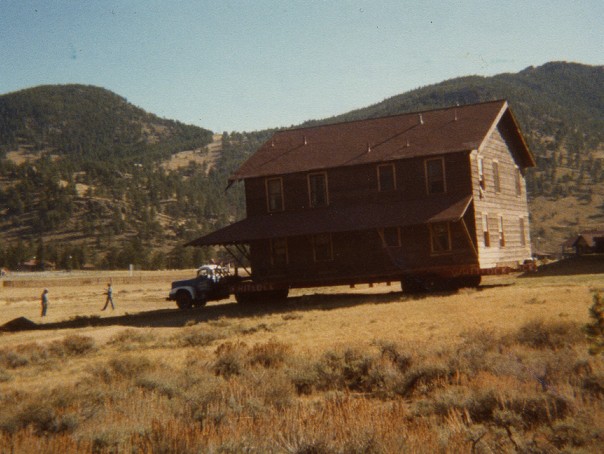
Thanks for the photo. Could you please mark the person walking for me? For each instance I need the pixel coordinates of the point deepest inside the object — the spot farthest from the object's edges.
(44, 302)
(109, 298)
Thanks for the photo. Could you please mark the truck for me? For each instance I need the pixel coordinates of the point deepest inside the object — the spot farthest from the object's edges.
(214, 282)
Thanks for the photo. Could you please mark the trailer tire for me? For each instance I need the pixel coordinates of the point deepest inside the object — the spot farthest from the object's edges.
(269, 296)
(184, 300)
(469, 281)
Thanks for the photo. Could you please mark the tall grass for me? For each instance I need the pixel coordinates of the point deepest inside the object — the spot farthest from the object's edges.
(535, 389)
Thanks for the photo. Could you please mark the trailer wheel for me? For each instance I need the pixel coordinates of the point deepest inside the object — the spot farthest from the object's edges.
(412, 285)
(184, 300)
(469, 281)
(270, 296)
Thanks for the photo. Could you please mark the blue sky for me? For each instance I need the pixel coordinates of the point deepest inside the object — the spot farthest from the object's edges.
(248, 65)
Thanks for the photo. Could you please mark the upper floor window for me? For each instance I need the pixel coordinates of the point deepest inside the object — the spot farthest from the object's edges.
(322, 247)
(279, 256)
(386, 177)
(435, 176)
(481, 179)
(391, 237)
(317, 190)
(274, 194)
(440, 237)
(518, 181)
(496, 183)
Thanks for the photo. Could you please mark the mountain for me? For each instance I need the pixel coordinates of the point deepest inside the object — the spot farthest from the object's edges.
(86, 177)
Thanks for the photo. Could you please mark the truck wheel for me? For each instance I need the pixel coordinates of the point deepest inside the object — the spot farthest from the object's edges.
(184, 300)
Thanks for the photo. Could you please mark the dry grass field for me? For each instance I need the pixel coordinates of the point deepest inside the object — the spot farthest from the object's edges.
(504, 368)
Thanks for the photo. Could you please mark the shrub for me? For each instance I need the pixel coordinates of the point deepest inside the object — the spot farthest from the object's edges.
(230, 359)
(269, 354)
(553, 335)
(198, 338)
(350, 369)
(595, 329)
(538, 410)
(422, 379)
(391, 352)
(78, 345)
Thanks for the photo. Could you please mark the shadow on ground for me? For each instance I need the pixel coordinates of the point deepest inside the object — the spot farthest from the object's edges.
(174, 318)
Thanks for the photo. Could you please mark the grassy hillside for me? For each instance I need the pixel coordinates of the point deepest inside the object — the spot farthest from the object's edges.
(86, 177)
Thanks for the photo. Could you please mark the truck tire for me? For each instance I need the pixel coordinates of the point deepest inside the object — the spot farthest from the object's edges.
(184, 300)
(200, 302)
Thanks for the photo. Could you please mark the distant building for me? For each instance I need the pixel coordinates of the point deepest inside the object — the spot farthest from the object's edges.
(586, 242)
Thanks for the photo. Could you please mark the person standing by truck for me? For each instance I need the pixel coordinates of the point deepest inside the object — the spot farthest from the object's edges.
(109, 299)
(44, 302)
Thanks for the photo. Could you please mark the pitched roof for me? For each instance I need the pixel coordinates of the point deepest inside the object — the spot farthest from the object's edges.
(589, 237)
(345, 219)
(426, 133)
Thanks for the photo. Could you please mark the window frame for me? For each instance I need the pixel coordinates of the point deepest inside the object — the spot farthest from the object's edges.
(486, 235)
(310, 191)
(496, 177)
(501, 231)
(522, 228)
(273, 249)
(518, 181)
(429, 182)
(433, 226)
(379, 177)
(481, 179)
(329, 243)
(267, 182)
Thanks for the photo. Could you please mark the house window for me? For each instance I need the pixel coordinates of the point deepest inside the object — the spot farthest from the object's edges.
(317, 190)
(501, 233)
(496, 183)
(274, 194)
(386, 177)
(522, 232)
(322, 247)
(485, 230)
(435, 175)
(279, 255)
(391, 237)
(481, 180)
(518, 182)
(440, 237)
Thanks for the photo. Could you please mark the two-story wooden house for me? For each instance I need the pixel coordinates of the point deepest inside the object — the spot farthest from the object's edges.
(425, 198)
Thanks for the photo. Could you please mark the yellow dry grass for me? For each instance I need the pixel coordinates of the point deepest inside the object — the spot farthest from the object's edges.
(157, 383)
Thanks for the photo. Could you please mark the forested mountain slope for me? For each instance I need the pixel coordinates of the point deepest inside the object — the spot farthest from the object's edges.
(86, 177)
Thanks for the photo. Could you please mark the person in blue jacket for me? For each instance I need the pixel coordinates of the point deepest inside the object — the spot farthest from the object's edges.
(109, 298)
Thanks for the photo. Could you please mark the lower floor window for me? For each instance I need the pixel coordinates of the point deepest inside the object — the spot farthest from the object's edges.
(322, 247)
(279, 252)
(391, 237)
(440, 237)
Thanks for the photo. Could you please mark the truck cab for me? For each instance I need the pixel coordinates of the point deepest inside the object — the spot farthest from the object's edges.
(211, 283)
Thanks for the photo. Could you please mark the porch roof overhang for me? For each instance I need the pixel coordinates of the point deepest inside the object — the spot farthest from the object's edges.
(345, 219)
